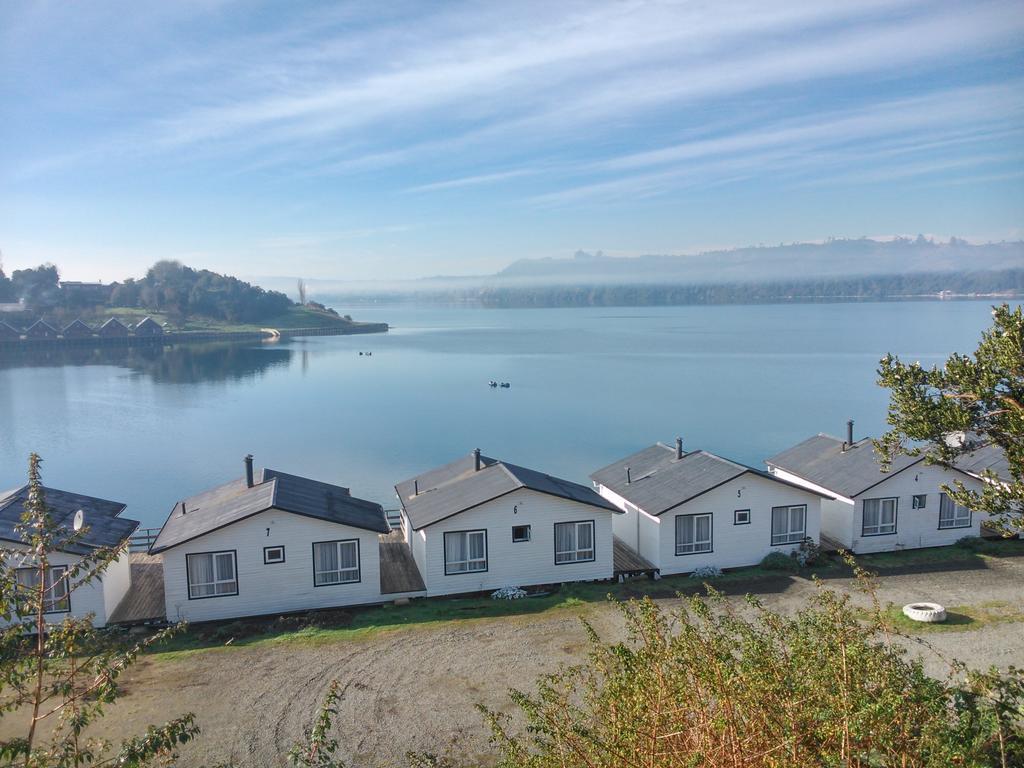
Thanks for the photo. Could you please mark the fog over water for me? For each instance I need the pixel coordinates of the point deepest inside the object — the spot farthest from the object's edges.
(587, 387)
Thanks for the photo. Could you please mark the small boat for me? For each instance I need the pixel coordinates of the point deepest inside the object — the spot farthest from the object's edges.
(492, 384)
(505, 385)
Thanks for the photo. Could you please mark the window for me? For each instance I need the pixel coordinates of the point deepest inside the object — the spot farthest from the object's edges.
(879, 517)
(952, 515)
(465, 552)
(211, 574)
(520, 533)
(55, 594)
(741, 517)
(789, 524)
(920, 501)
(335, 562)
(574, 542)
(273, 555)
(693, 534)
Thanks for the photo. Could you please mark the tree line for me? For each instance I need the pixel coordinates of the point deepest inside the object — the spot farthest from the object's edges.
(168, 287)
(644, 294)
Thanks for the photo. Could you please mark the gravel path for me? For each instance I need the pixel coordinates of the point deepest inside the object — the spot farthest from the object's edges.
(416, 688)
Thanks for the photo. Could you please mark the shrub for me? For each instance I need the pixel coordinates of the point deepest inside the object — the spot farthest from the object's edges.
(807, 553)
(706, 572)
(778, 561)
(508, 593)
(716, 684)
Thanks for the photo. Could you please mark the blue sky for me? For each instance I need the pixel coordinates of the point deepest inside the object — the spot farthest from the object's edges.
(383, 140)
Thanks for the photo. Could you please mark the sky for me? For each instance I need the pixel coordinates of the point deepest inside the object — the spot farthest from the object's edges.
(357, 141)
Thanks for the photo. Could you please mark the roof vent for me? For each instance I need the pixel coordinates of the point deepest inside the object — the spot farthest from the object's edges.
(679, 448)
(476, 460)
(248, 470)
(849, 432)
(629, 476)
(416, 487)
(183, 510)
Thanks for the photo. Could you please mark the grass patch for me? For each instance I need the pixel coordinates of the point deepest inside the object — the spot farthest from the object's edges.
(958, 618)
(974, 551)
(348, 625)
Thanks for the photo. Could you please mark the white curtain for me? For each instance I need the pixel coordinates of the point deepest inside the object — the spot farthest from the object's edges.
(327, 563)
(585, 535)
(200, 575)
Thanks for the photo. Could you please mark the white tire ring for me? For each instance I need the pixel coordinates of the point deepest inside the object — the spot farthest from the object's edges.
(928, 612)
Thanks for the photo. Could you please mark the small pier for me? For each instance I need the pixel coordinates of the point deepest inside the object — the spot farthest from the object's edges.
(398, 572)
(144, 601)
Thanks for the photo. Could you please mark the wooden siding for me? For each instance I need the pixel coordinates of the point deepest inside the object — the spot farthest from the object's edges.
(277, 587)
(627, 560)
(521, 563)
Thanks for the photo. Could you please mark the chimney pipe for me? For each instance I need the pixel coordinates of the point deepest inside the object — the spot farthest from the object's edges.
(629, 476)
(476, 459)
(415, 487)
(849, 432)
(248, 470)
(679, 448)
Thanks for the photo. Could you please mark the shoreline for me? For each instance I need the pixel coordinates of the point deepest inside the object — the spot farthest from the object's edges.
(179, 337)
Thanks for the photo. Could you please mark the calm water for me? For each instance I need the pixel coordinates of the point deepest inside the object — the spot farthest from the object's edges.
(588, 386)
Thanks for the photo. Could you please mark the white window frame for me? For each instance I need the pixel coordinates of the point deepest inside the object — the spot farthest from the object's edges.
(350, 575)
(217, 582)
(923, 504)
(54, 594)
(695, 547)
(956, 521)
(879, 528)
(576, 555)
(792, 535)
(470, 564)
(274, 548)
(736, 520)
(529, 534)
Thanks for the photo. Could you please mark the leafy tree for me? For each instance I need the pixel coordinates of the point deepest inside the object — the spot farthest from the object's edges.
(970, 403)
(60, 677)
(713, 685)
(40, 287)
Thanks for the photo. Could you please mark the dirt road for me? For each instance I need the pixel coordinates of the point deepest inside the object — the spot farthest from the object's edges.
(416, 688)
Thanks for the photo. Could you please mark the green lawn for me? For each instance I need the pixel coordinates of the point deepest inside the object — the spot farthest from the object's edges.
(341, 625)
(958, 618)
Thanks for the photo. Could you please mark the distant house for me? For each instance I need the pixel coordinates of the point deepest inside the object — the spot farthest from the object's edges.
(103, 528)
(77, 330)
(269, 543)
(41, 330)
(9, 332)
(113, 328)
(876, 511)
(480, 524)
(77, 291)
(686, 510)
(148, 327)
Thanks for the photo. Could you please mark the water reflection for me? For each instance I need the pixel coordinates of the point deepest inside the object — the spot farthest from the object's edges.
(176, 364)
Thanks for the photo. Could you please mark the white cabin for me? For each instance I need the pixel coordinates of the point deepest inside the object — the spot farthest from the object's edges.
(481, 524)
(269, 543)
(102, 527)
(876, 511)
(688, 510)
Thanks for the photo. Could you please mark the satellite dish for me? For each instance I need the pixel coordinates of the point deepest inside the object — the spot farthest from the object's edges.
(79, 520)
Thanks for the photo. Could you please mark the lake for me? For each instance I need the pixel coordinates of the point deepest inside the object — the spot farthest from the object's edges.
(149, 427)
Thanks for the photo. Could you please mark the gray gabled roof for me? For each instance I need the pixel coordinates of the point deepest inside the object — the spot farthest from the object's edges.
(458, 486)
(989, 457)
(113, 322)
(149, 322)
(8, 329)
(822, 461)
(104, 526)
(229, 503)
(657, 481)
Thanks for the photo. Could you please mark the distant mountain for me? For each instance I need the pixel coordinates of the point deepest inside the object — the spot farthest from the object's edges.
(833, 258)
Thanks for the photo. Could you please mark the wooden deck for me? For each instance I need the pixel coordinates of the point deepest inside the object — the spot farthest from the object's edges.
(398, 571)
(829, 545)
(144, 600)
(626, 561)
